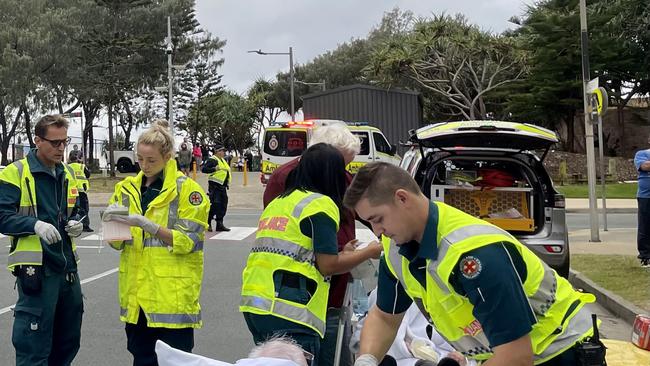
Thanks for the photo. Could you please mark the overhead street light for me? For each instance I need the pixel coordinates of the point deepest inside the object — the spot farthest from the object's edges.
(321, 83)
(291, 79)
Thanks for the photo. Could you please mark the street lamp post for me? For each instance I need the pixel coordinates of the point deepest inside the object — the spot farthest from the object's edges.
(589, 130)
(291, 76)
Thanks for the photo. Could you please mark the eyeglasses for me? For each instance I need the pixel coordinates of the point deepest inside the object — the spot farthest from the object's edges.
(308, 356)
(57, 143)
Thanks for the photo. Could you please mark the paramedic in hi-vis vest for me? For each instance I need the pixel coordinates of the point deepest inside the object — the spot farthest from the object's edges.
(286, 279)
(38, 195)
(161, 268)
(218, 182)
(487, 294)
(81, 173)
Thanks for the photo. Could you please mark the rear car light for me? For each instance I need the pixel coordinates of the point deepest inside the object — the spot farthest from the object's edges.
(559, 201)
(553, 248)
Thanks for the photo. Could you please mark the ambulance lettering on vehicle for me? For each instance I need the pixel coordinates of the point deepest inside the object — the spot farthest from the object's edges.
(285, 142)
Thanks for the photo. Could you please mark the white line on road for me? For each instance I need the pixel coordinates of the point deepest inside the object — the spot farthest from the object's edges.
(98, 276)
(89, 247)
(235, 233)
(89, 279)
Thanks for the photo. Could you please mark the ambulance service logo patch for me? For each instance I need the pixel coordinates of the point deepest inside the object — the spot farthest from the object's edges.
(470, 267)
(196, 198)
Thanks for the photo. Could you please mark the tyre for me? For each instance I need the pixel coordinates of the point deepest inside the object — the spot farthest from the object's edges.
(124, 165)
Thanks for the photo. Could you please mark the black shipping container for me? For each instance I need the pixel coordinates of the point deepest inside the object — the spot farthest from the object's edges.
(393, 111)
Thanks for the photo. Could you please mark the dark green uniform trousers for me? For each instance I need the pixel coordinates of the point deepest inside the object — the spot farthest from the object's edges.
(47, 325)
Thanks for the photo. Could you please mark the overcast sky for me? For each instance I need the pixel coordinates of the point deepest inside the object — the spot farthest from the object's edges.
(313, 27)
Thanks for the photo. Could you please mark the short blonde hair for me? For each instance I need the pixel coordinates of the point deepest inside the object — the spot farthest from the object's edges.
(158, 135)
(337, 135)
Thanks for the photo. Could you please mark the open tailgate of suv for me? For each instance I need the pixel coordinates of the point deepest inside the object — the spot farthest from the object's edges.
(485, 134)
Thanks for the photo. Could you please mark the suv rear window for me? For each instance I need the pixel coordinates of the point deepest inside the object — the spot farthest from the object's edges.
(285, 143)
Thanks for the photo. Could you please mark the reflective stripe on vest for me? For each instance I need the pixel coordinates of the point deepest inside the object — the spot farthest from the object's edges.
(283, 247)
(23, 257)
(293, 312)
(174, 318)
(24, 210)
(297, 211)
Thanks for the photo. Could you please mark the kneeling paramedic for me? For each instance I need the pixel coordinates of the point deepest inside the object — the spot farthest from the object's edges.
(38, 195)
(487, 294)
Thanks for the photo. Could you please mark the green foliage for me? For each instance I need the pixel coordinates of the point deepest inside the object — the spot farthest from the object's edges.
(225, 118)
(452, 62)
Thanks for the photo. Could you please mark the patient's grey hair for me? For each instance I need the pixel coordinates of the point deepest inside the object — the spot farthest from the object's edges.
(337, 135)
(282, 348)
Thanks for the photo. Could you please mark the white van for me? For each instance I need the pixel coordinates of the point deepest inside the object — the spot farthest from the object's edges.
(284, 142)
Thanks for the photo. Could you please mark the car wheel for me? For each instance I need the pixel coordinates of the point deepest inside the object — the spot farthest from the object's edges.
(124, 166)
(563, 269)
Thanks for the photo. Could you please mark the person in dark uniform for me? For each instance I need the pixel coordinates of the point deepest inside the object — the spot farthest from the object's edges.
(38, 201)
(218, 181)
(487, 294)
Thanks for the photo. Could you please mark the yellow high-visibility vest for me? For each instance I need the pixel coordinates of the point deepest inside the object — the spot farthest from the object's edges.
(165, 282)
(28, 249)
(83, 185)
(562, 319)
(280, 245)
(222, 173)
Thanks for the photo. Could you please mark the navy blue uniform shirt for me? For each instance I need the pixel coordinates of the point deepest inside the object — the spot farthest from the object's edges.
(51, 205)
(493, 285)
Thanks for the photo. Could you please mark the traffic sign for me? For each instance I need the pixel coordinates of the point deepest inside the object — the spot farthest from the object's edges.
(599, 101)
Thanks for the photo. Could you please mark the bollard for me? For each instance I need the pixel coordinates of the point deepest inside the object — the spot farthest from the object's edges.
(245, 174)
(194, 170)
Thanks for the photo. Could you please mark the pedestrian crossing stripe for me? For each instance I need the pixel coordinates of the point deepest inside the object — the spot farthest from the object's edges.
(238, 233)
(235, 233)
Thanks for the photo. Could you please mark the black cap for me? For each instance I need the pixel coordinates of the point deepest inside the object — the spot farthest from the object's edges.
(218, 147)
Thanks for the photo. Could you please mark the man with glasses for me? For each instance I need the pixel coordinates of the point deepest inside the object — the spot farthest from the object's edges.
(38, 197)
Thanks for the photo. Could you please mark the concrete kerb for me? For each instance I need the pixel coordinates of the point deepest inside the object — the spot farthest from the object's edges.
(612, 302)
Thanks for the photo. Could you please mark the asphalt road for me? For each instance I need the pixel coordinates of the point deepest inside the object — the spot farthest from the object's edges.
(224, 335)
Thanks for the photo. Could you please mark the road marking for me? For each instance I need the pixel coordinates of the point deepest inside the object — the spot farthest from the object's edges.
(98, 276)
(89, 247)
(84, 281)
(235, 233)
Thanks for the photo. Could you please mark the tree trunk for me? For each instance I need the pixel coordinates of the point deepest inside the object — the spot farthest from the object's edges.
(570, 132)
(28, 127)
(111, 156)
(620, 120)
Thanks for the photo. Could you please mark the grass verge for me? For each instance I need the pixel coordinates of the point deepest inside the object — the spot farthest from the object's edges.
(620, 274)
(614, 190)
(104, 185)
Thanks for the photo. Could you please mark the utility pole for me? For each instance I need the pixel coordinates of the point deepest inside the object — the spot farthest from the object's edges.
(293, 108)
(170, 76)
(589, 131)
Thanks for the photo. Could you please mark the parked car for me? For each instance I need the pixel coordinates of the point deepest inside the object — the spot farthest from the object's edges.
(493, 170)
